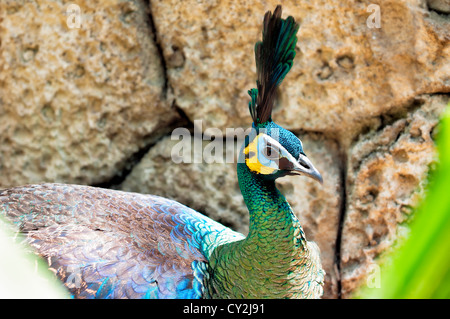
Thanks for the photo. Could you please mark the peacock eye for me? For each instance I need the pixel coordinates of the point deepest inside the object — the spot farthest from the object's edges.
(271, 153)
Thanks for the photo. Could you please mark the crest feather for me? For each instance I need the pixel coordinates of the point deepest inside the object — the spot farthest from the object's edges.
(274, 57)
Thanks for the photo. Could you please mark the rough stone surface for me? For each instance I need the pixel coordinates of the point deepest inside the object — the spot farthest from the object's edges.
(387, 170)
(344, 72)
(76, 103)
(441, 6)
(212, 188)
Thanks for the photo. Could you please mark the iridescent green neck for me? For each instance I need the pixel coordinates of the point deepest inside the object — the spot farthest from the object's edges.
(267, 262)
(268, 208)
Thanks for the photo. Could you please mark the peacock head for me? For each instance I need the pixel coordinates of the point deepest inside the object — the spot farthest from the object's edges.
(271, 151)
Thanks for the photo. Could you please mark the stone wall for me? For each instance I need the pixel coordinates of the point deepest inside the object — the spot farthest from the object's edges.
(96, 105)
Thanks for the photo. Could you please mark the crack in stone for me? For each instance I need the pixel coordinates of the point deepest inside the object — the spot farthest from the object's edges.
(182, 114)
(134, 159)
(151, 23)
(115, 181)
(342, 213)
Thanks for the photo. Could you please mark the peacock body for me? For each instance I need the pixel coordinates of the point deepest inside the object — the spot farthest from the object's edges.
(112, 244)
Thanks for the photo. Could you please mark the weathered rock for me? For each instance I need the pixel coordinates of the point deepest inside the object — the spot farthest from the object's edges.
(346, 71)
(441, 6)
(76, 103)
(386, 175)
(213, 190)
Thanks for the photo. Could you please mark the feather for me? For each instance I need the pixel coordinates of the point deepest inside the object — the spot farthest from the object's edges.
(274, 57)
(112, 244)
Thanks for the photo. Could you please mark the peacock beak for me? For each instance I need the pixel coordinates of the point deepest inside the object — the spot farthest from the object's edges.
(304, 167)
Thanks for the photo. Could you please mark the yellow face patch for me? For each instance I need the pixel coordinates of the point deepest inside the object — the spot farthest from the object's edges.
(251, 158)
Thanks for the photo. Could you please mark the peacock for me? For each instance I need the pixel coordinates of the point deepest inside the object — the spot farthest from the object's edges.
(104, 243)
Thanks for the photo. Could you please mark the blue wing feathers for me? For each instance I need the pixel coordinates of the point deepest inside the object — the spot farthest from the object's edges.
(112, 244)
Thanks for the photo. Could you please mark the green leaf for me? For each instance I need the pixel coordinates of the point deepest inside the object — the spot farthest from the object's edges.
(22, 273)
